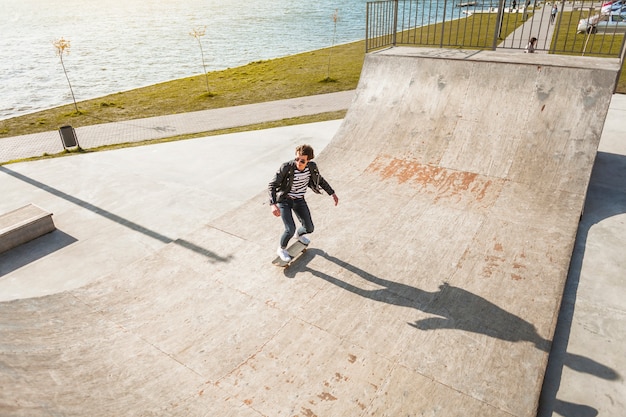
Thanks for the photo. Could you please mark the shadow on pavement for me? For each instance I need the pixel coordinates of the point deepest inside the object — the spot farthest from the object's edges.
(568, 409)
(602, 203)
(213, 257)
(22, 255)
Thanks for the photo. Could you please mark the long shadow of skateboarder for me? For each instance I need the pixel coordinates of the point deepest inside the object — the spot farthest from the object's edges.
(456, 308)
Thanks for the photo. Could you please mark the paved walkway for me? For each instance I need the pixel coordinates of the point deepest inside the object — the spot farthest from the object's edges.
(176, 124)
(538, 26)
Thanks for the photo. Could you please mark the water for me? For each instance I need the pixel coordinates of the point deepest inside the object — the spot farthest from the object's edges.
(118, 45)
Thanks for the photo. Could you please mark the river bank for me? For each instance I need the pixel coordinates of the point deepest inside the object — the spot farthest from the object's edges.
(317, 72)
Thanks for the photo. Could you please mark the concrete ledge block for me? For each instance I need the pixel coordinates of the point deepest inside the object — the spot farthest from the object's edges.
(23, 225)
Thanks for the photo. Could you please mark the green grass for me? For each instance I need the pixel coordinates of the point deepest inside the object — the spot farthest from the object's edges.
(474, 32)
(292, 76)
(582, 44)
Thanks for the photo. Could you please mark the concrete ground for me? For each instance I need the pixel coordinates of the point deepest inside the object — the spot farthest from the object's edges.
(115, 208)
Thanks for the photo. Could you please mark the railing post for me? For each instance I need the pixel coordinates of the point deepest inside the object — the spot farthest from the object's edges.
(498, 28)
(367, 26)
(622, 56)
(395, 21)
(443, 23)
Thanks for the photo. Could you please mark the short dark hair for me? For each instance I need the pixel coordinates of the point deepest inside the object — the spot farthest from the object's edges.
(305, 150)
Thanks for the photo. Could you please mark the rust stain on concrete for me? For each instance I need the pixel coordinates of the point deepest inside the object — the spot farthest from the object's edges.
(492, 263)
(340, 377)
(327, 396)
(441, 182)
(308, 412)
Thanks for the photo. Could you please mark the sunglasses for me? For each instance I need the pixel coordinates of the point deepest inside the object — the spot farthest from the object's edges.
(301, 160)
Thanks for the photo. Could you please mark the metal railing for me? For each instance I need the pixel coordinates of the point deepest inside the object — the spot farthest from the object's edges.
(491, 25)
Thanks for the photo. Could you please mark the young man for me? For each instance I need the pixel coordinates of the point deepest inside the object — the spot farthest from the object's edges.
(287, 191)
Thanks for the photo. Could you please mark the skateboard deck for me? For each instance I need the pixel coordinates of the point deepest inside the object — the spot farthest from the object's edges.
(295, 250)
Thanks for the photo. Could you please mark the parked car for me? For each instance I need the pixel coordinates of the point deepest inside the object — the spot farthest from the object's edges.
(611, 23)
(613, 6)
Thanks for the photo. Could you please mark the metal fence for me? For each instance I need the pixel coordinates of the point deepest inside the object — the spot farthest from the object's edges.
(494, 24)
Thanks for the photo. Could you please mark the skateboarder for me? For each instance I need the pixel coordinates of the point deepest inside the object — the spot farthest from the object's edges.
(530, 48)
(287, 190)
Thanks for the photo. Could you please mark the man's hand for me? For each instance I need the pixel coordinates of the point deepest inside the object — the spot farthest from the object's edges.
(275, 210)
(334, 196)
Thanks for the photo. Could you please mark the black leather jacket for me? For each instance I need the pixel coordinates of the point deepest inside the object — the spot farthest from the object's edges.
(280, 185)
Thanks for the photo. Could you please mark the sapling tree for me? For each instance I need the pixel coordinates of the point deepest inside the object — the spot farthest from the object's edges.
(198, 33)
(330, 51)
(63, 46)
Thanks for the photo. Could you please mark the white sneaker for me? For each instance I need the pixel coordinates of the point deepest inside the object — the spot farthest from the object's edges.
(304, 240)
(283, 254)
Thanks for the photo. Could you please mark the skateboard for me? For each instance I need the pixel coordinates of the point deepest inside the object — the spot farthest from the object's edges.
(295, 250)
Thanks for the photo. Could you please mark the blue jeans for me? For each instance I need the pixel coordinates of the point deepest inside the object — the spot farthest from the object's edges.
(300, 207)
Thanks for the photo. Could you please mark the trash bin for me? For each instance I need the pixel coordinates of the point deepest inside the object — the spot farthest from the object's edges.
(68, 137)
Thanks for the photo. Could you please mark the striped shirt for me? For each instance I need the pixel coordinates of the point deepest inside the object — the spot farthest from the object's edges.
(300, 183)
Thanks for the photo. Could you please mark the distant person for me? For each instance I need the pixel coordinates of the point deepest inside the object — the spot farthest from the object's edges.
(530, 48)
(287, 190)
(526, 10)
(514, 4)
(555, 10)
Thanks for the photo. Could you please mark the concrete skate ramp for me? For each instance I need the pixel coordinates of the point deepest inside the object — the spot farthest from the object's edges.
(431, 290)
